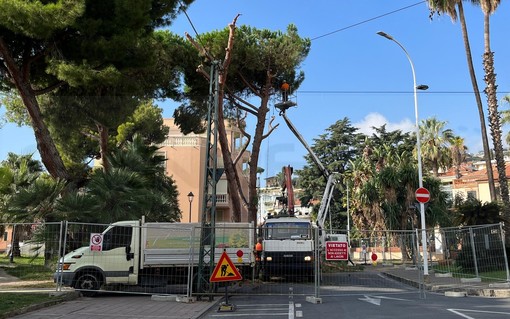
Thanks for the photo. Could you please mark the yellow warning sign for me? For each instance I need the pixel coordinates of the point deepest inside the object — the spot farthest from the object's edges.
(225, 270)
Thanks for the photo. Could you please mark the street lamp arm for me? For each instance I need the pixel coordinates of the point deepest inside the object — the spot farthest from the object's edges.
(418, 151)
(418, 141)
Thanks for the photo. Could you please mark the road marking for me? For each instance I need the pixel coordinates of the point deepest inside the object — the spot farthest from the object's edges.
(459, 312)
(391, 298)
(291, 310)
(299, 314)
(250, 314)
(371, 300)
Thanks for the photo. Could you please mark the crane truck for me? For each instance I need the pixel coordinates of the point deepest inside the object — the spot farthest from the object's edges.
(287, 241)
(291, 244)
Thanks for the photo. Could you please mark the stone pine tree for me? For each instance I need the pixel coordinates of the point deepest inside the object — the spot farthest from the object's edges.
(254, 65)
(46, 45)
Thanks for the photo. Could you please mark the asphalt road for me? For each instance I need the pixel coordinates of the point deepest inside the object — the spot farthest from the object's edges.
(363, 295)
(366, 296)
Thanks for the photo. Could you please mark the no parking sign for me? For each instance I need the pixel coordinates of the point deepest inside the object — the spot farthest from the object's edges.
(96, 242)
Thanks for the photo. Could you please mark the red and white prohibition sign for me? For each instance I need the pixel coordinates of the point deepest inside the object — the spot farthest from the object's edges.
(422, 195)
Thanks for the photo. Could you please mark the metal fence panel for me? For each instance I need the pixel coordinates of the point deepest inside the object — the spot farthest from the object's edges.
(472, 254)
(167, 264)
(29, 252)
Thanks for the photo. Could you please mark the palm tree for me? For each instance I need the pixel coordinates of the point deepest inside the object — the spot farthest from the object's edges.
(458, 153)
(135, 185)
(488, 8)
(505, 116)
(435, 140)
(449, 7)
(18, 173)
(473, 212)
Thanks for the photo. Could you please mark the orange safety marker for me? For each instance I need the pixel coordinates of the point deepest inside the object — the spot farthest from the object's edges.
(225, 270)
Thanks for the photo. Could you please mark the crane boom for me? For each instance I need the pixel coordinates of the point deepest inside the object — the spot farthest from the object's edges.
(331, 180)
(287, 185)
(283, 107)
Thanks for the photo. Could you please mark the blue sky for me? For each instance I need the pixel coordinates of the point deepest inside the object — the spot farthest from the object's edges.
(352, 72)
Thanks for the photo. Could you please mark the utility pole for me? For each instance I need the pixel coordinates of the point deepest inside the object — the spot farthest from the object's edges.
(213, 174)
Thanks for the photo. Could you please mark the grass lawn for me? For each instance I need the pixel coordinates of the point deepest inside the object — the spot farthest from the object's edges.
(31, 274)
(17, 303)
(27, 268)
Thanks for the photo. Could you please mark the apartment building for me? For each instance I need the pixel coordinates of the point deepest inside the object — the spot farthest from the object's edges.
(186, 158)
(471, 181)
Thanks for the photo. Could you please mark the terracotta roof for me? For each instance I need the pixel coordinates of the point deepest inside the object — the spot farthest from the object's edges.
(479, 175)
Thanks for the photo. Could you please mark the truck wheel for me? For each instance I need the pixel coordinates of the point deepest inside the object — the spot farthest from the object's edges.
(89, 283)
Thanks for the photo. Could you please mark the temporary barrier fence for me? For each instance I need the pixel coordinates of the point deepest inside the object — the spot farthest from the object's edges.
(169, 264)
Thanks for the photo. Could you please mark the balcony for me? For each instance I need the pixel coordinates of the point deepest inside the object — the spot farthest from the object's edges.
(222, 200)
(183, 141)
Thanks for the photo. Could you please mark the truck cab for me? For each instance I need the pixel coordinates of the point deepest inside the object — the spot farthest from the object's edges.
(288, 248)
(116, 261)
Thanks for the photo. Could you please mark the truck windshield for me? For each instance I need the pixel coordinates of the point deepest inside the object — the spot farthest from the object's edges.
(298, 230)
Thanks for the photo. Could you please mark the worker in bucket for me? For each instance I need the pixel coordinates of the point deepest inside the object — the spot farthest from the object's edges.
(258, 256)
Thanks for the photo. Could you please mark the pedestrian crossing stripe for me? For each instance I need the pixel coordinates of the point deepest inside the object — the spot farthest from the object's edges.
(225, 270)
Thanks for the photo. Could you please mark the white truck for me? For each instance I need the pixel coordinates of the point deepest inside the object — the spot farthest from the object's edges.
(288, 248)
(136, 253)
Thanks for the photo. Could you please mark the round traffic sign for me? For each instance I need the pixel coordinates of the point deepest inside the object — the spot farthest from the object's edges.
(422, 195)
(96, 239)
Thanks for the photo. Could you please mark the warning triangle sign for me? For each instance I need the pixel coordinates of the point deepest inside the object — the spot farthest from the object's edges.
(225, 270)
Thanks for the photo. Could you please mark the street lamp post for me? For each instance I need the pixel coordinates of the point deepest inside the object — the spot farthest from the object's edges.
(190, 198)
(418, 146)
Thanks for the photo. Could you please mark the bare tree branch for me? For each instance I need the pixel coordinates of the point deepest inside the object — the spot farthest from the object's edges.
(271, 128)
(248, 84)
(200, 69)
(200, 49)
(230, 44)
(232, 98)
(49, 88)
(246, 134)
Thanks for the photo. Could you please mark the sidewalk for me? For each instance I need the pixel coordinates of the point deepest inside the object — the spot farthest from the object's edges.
(446, 282)
(4, 277)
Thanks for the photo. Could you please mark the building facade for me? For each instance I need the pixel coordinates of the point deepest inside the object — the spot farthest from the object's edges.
(185, 163)
(471, 181)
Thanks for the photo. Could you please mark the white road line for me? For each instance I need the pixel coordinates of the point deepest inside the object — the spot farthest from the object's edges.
(391, 298)
(250, 314)
(369, 299)
(459, 312)
(291, 303)
(270, 306)
(291, 310)
(299, 314)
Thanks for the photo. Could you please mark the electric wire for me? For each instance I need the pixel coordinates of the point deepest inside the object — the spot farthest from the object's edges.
(182, 8)
(366, 21)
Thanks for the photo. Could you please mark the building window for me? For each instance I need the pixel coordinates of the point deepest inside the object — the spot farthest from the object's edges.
(471, 194)
(5, 236)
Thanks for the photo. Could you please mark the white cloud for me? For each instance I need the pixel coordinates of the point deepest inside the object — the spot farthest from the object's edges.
(472, 141)
(378, 120)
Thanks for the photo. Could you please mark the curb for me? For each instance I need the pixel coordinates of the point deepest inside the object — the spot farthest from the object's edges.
(63, 297)
(456, 290)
